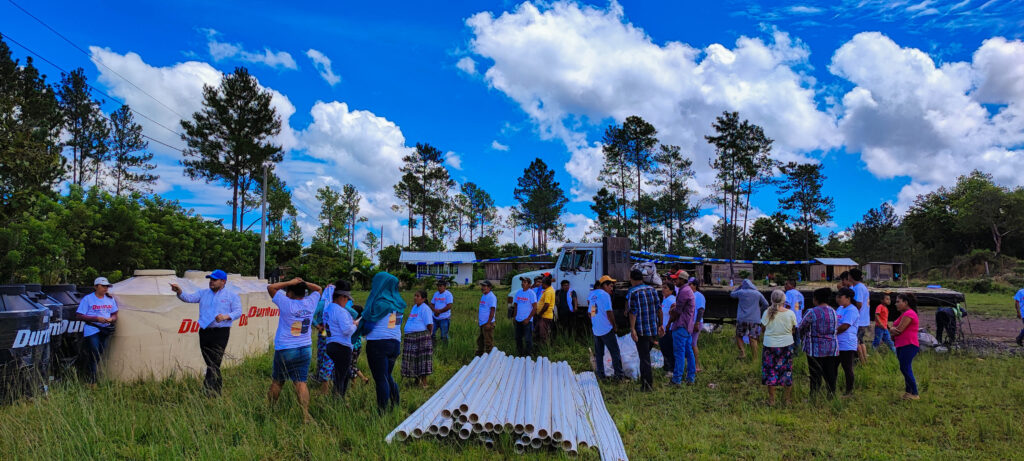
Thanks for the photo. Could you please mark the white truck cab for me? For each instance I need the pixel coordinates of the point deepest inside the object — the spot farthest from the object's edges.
(579, 263)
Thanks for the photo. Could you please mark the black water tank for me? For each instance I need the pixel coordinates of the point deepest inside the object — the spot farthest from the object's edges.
(35, 292)
(65, 351)
(24, 344)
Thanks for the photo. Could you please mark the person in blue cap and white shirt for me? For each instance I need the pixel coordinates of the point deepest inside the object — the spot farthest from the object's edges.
(219, 306)
(99, 312)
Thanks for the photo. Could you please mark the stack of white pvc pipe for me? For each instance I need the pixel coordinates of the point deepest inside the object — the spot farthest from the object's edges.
(537, 402)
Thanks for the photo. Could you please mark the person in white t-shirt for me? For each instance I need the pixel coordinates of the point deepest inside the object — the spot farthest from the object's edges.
(417, 344)
(442, 302)
(525, 301)
(862, 299)
(485, 320)
(292, 341)
(99, 312)
(602, 322)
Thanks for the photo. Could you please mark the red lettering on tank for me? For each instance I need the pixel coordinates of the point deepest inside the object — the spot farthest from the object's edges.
(186, 325)
(243, 321)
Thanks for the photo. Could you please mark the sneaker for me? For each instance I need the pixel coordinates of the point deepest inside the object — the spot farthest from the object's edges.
(668, 374)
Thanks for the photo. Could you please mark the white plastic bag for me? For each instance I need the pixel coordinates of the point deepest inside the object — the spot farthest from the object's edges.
(650, 271)
(630, 358)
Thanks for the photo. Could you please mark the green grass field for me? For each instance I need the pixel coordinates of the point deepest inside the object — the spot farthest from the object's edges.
(969, 407)
(991, 304)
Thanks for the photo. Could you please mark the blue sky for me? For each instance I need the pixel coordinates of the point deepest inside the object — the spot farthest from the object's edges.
(894, 98)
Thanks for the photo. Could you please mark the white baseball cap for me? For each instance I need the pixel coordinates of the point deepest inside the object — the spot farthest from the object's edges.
(102, 281)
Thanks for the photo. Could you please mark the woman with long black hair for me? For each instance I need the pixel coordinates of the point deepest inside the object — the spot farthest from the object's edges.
(904, 334)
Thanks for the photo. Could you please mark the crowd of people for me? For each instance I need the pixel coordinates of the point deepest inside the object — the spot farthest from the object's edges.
(670, 317)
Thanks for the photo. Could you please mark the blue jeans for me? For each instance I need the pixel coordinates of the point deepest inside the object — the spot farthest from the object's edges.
(442, 326)
(91, 353)
(612, 343)
(291, 364)
(906, 354)
(381, 355)
(682, 344)
(882, 335)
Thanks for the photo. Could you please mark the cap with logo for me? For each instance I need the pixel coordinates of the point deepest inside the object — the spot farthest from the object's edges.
(102, 281)
(218, 275)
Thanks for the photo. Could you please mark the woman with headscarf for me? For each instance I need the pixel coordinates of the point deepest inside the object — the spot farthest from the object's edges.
(748, 315)
(777, 356)
(382, 325)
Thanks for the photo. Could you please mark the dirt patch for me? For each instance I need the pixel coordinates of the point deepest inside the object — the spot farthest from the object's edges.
(994, 328)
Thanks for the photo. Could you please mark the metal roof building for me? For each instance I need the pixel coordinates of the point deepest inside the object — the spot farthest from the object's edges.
(437, 264)
(827, 269)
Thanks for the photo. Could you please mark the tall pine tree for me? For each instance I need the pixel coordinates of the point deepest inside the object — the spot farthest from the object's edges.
(84, 126)
(803, 199)
(541, 201)
(131, 169)
(30, 121)
(229, 139)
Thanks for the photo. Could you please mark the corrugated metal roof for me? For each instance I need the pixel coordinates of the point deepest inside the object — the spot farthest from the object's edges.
(836, 261)
(436, 256)
(883, 262)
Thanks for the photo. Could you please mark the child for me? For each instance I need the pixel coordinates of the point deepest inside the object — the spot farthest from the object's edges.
(668, 293)
(418, 346)
(882, 324)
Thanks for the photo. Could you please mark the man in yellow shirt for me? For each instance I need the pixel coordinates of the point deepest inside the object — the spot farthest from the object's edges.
(545, 311)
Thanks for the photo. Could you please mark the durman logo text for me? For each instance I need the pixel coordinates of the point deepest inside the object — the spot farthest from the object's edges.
(31, 338)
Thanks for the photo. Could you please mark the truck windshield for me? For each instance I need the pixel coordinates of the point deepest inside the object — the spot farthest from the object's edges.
(577, 261)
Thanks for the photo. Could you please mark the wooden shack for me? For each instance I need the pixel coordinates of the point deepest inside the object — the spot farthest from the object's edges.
(883, 271)
(496, 271)
(828, 269)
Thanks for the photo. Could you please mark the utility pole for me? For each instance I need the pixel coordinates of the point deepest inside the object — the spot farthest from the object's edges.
(263, 225)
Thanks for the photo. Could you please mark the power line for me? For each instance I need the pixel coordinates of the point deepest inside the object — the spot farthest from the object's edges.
(86, 53)
(8, 38)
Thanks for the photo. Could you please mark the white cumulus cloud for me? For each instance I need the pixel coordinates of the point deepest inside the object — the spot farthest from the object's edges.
(498, 146)
(323, 65)
(909, 117)
(570, 66)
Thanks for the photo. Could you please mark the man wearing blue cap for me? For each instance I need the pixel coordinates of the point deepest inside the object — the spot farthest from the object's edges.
(218, 308)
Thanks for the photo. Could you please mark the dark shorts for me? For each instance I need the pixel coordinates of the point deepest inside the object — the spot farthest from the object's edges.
(863, 335)
(291, 364)
(750, 330)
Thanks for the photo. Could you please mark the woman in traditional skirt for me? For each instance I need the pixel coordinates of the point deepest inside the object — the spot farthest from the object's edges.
(324, 364)
(417, 347)
(777, 355)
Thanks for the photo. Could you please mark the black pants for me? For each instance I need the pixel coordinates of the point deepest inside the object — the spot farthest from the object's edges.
(524, 339)
(846, 359)
(823, 368)
(342, 357)
(667, 351)
(212, 342)
(945, 320)
(566, 324)
(381, 355)
(643, 348)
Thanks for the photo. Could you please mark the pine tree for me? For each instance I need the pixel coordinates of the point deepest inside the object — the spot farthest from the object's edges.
(541, 201)
(131, 168)
(85, 127)
(229, 139)
(31, 163)
(807, 205)
(673, 196)
(627, 149)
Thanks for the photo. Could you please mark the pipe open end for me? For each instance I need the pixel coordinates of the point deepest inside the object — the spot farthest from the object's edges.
(489, 444)
(542, 433)
(474, 418)
(567, 445)
(463, 408)
(529, 427)
(518, 428)
(557, 436)
(478, 428)
(535, 443)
